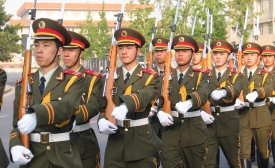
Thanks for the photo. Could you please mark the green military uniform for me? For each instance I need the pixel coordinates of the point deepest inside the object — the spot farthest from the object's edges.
(82, 135)
(224, 130)
(255, 121)
(54, 108)
(134, 146)
(269, 50)
(159, 44)
(186, 138)
(4, 161)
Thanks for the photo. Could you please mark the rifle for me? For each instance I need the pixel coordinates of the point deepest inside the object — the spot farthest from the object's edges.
(167, 75)
(193, 26)
(233, 57)
(205, 59)
(150, 53)
(60, 21)
(241, 97)
(26, 90)
(109, 90)
(257, 30)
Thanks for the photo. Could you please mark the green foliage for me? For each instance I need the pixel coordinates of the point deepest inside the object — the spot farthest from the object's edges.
(97, 34)
(8, 36)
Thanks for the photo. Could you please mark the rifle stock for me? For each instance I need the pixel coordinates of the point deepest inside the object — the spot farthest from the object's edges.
(206, 106)
(150, 60)
(166, 84)
(110, 84)
(25, 96)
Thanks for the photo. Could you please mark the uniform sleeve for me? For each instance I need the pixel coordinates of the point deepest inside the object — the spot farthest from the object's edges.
(90, 109)
(3, 80)
(140, 100)
(102, 102)
(15, 135)
(267, 87)
(200, 96)
(233, 90)
(58, 111)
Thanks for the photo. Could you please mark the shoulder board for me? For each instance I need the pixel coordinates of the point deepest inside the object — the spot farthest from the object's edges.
(197, 70)
(1, 69)
(79, 74)
(103, 74)
(18, 81)
(172, 69)
(91, 72)
(149, 71)
(264, 71)
(208, 71)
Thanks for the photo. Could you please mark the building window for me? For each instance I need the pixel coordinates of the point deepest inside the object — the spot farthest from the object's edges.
(261, 4)
(270, 8)
(270, 28)
(261, 29)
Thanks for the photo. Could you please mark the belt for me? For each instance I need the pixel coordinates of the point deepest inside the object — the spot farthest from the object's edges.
(218, 109)
(127, 123)
(254, 104)
(188, 114)
(47, 137)
(83, 127)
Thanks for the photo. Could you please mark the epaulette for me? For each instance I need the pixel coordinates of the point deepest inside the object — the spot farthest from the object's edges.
(79, 74)
(207, 71)
(265, 71)
(91, 72)
(1, 69)
(149, 71)
(197, 70)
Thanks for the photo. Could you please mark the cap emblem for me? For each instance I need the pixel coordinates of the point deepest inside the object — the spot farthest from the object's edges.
(267, 48)
(218, 43)
(124, 33)
(181, 39)
(248, 46)
(41, 24)
(159, 41)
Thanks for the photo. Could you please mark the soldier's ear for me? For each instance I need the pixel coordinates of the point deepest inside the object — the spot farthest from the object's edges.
(60, 51)
(138, 51)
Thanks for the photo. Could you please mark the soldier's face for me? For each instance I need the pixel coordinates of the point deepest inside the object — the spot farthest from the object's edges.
(251, 59)
(196, 58)
(220, 58)
(268, 60)
(128, 53)
(71, 55)
(45, 51)
(183, 57)
(160, 56)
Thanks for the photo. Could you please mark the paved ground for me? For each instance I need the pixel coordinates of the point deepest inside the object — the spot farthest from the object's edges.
(6, 119)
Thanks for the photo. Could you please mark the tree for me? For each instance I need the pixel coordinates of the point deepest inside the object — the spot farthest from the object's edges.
(8, 36)
(97, 34)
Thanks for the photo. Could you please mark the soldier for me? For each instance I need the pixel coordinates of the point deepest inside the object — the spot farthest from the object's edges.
(136, 87)
(4, 161)
(55, 98)
(197, 57)
(184, 135)
(255, 118)
(224, 88)
(268, 60)
(160, 50)
(82, 135)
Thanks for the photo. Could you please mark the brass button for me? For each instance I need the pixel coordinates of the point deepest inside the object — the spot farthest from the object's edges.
(182, 121)
(218, 113)
(126, 129)
(48, 148)
(59, 98)
(192, 88)
(70, 150)
(148, 132)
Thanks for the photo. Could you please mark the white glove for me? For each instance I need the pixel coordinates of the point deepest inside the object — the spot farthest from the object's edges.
(251, 97)
(27, 123)
(239, 104)
(272, 99)
(18, 152)
(106, 127)
(120, 112)
(218, 94)
(165, 119)
(183, 107)
(207, 118)
(153, 111)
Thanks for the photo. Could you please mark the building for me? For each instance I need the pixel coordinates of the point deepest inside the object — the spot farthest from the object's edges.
(266, 31)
